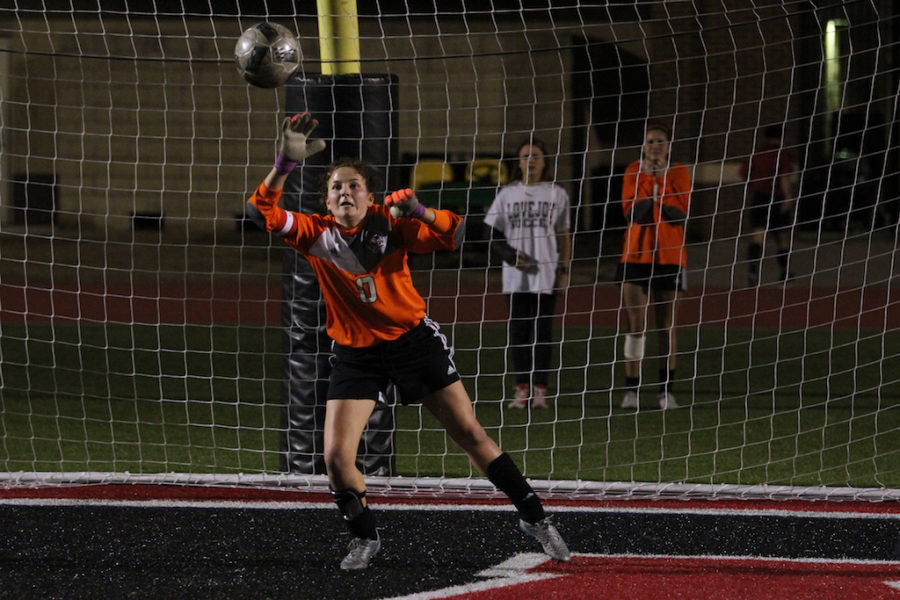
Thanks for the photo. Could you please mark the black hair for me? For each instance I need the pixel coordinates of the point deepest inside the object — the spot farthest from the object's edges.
(537, 143)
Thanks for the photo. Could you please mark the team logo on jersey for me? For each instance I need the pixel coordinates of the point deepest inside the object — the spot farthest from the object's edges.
(377, 243)
(360, 252)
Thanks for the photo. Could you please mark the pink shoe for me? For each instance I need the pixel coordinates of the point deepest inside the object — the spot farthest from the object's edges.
(540, 397)
(521, 398)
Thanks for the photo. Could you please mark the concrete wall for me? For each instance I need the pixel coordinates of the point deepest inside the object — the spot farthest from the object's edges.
(166, 124)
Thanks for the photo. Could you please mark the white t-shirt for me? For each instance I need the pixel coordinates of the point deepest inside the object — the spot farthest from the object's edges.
(530, 216)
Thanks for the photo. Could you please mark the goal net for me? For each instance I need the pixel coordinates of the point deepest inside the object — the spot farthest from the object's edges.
(141, 333)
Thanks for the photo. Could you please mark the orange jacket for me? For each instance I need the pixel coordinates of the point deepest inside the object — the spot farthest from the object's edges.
(363, 272)
(656, 239)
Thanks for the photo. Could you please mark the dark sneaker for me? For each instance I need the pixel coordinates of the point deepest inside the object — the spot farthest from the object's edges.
(362, 551)
(544, 532)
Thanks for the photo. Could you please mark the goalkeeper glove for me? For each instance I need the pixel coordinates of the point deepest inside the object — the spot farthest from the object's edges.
(403, 203)
(294, 147)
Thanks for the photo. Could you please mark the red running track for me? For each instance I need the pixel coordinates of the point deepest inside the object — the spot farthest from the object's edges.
(770, 307)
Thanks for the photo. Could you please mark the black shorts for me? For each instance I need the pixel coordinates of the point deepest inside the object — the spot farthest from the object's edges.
(651, 276)
(765, 213)
(417, 363)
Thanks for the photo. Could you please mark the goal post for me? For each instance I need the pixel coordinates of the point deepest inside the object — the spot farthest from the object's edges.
(356, 116)
(141, 324)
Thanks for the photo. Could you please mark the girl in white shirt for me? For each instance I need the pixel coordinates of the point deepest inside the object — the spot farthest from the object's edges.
(529, 229)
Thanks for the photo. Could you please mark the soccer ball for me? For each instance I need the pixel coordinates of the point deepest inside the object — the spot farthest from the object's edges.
(267, 55)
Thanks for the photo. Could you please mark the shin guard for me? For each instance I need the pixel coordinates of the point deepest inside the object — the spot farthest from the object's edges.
(357, 515)
(504, 474)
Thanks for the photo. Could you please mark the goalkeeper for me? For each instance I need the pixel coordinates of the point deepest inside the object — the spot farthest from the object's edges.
(655, 199)
(381, 333)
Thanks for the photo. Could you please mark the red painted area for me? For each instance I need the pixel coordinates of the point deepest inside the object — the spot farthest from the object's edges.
(770, 307)
(774, 307)
(129, 491)
(144, 303)
(673, 578)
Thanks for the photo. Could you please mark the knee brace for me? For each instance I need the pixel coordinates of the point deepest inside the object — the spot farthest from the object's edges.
(634, 346)
(349, 502)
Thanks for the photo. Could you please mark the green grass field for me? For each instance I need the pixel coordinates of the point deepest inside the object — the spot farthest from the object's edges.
(800, 408)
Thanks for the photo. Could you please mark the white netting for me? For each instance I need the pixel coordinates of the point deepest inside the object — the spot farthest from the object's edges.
(140, 314)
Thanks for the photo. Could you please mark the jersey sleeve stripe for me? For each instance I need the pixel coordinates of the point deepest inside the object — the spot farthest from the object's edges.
(289, 222)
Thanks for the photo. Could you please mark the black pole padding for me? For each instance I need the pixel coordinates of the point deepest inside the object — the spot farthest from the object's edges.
(358, 118)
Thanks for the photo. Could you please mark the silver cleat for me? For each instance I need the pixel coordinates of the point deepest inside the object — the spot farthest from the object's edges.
(362, 551)
(544, 532)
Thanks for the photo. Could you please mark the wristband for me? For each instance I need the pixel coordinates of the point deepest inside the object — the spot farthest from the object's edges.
(562, 270)
(418, 212)
(284, 165)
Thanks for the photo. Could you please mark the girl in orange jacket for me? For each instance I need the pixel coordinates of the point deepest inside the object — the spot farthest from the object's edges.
(655, 199)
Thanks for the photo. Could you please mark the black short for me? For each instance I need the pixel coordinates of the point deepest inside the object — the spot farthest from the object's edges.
(418, 363)
(653, 276)
(765, 213)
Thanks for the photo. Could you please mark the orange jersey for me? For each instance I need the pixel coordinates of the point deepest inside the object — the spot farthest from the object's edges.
(363, 272)
(658, 241)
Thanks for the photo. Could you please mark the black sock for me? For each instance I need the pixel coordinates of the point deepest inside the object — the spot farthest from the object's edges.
(754, 254)
(782, 262)
(363, 525)
(360, 520)
(632, 383)
(666, 380)
(504, 474)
